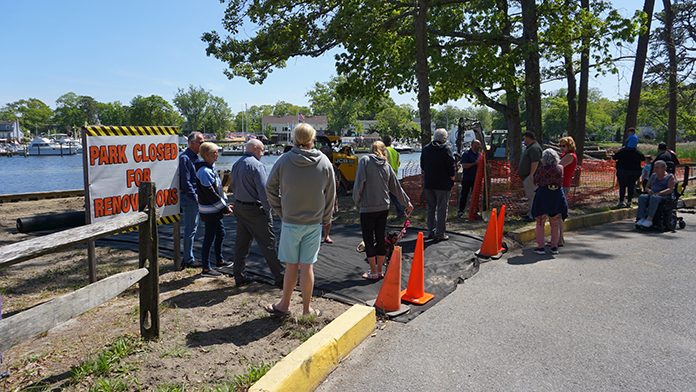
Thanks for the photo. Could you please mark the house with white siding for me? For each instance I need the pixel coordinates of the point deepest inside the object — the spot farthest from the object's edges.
(10, 131)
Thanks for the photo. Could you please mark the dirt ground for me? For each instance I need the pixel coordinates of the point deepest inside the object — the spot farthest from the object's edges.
(210, 329)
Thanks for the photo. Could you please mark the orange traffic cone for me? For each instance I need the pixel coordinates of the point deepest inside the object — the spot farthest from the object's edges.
(501, 222)
(415, 291)
(389, 299)
(490, 247)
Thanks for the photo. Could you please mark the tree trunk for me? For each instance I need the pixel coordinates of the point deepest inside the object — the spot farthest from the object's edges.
(422, 70)
(532, 72)
(672, 69)
(638, 69)
(571, 96)
(514, 126)
(582, 94)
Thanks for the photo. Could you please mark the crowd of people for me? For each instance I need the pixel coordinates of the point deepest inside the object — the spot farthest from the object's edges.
(301, 190)
(547, 178)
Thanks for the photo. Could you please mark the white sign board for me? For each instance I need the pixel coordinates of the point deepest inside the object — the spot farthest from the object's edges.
(117, 159)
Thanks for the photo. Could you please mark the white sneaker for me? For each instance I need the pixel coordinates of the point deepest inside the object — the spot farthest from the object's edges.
(647, 223)
(640, 222)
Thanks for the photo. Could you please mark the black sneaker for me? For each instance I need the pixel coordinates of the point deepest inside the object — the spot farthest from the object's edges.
(442, 237)
(554, 250)
(460, 214)
(247, 280)
(540, 251)
(192, 264)
(222, 264)
(210, 273)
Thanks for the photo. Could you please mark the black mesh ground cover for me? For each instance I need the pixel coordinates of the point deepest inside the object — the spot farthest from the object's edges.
(339, 267)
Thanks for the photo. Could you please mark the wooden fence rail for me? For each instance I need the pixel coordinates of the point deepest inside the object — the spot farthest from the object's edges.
(24, 325)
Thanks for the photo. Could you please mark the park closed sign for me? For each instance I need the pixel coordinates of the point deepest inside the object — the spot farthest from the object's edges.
(118, 159)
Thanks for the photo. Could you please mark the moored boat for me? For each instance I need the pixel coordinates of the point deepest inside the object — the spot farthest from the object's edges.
(65, 140)
(402, 148)
(43, 146)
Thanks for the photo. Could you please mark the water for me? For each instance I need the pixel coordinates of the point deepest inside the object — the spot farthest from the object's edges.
(61, 173)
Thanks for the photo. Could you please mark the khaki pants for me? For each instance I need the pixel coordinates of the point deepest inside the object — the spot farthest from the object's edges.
(529, 191)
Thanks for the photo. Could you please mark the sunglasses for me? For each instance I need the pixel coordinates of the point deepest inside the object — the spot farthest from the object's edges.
(561, 145)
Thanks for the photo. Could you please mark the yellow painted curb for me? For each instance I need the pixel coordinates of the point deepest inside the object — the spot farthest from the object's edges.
(305, 367)
(528, 233)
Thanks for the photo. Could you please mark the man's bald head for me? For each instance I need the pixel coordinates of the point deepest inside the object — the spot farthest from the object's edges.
(255, 146)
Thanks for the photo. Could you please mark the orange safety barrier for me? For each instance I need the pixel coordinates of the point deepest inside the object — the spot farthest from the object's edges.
(490, 248)
(389, 297)
(415, 291)
(594, 182)
(478, 187)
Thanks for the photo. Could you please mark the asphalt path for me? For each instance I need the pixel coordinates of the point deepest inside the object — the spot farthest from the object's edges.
(614, 311)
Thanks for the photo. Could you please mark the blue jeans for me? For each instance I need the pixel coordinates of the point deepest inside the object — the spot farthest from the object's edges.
(214, 234)
(395, 201)
(647, 205)
(189, 219)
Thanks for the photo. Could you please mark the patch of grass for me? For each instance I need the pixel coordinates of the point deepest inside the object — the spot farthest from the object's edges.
(244, 381)
(177, 351)
(302, 327)
(108, 361)
(110, 385)
(170, 388)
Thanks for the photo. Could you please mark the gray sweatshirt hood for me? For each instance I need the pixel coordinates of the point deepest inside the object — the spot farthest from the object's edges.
(376, 159)
(302, 158)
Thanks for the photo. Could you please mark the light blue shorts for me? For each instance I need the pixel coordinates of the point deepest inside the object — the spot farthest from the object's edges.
(299, 243)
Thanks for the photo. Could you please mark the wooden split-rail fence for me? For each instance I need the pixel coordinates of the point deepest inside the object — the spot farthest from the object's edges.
(29, 323)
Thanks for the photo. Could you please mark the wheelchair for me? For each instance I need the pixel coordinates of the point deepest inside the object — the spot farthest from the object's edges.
(666, 218)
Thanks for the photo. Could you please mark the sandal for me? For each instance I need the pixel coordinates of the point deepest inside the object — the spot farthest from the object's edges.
(370, 276)
(271, 308)
(328, 241)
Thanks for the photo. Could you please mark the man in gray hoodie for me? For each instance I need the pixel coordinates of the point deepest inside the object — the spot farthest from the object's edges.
(301, 190)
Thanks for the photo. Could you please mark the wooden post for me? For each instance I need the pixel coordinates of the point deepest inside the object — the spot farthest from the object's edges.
(91, 250)
(148, 258)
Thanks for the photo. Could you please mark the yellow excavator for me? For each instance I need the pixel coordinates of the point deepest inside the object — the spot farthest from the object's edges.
(343, 158)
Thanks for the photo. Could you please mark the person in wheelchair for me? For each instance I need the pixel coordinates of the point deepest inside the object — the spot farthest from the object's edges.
(660, 188)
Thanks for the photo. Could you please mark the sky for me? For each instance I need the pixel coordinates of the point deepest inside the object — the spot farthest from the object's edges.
(116, 50)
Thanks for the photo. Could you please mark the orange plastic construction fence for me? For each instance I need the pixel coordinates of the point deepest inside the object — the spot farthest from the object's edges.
(594, 182)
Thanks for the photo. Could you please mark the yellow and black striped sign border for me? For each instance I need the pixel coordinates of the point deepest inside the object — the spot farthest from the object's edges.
(162, 221)
(103, 130)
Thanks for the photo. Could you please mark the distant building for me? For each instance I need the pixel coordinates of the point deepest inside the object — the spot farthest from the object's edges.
(283, 125)
(10, 131)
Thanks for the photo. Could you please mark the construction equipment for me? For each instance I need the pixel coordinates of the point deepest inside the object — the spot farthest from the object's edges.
(343, 158)
(468, 128)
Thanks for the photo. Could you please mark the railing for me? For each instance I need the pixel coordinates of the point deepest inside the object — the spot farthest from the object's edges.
(29, 323)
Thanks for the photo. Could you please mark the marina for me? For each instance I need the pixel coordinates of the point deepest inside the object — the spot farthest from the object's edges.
(21, 174)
